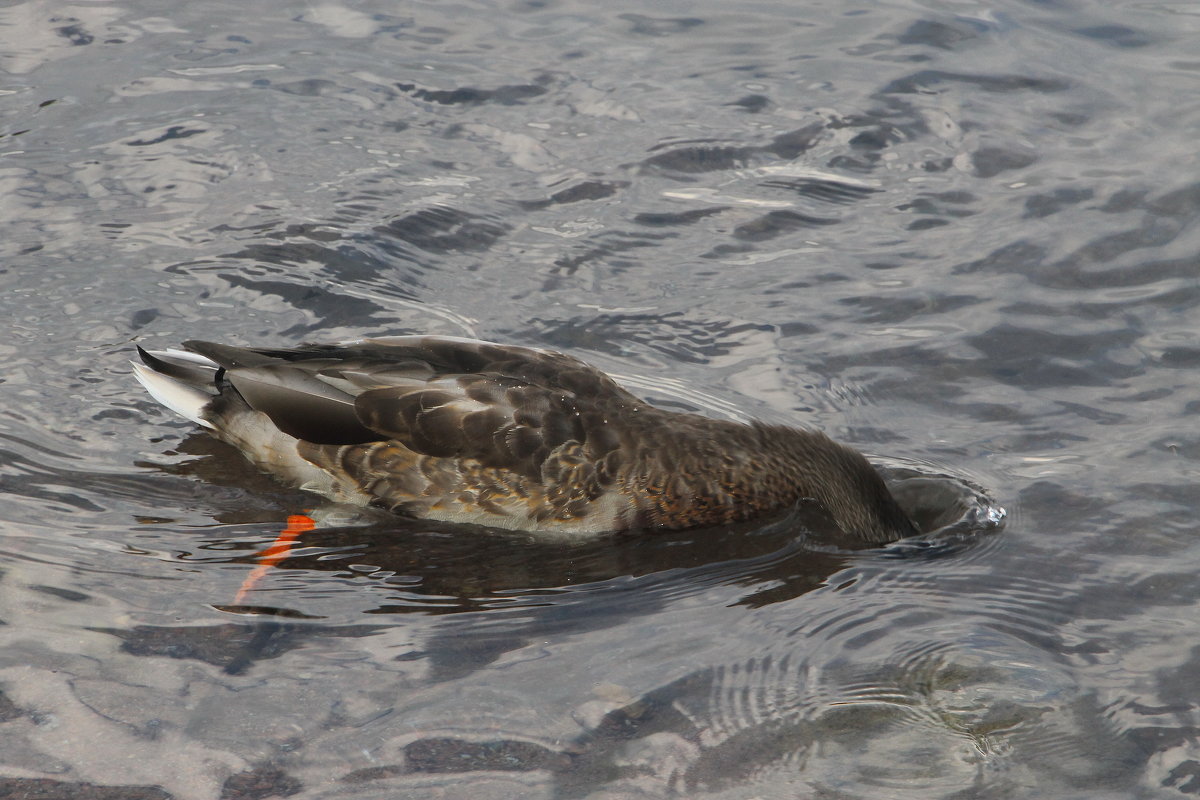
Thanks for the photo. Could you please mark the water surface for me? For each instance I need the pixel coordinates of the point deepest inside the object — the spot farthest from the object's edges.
(962, 237)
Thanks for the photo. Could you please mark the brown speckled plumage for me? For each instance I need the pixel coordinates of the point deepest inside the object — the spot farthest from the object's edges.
(472, 431)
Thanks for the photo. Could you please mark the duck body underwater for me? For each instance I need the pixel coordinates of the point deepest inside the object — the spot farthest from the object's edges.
(469, 431)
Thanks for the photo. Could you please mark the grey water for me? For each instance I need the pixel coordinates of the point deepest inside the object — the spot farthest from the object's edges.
(961, 236)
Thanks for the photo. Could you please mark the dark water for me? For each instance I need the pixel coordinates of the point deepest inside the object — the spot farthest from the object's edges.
(960, 236)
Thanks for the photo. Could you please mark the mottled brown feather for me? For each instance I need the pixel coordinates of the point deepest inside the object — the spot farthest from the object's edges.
(474, 431)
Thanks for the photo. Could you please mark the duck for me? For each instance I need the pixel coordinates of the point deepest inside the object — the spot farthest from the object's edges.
(468, 431)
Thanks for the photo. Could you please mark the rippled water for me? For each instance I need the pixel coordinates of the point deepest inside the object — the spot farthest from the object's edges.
(962, 237)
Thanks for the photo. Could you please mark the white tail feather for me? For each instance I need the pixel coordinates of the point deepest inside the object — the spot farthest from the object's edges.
(185, 400)
(184, 355)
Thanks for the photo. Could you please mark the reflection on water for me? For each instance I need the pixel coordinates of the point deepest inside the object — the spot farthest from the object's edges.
(962, 238)
(544, 586)
(445, 568)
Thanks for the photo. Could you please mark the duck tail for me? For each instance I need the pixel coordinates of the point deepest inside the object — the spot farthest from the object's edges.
(174, 378)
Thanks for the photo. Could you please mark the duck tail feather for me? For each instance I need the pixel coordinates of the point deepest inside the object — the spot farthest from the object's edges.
(181, 397)
(188, 367)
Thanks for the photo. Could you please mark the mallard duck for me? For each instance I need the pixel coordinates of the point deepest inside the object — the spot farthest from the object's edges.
(510, 437)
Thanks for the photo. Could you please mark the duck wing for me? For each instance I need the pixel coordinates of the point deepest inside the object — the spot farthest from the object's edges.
(504, 406)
